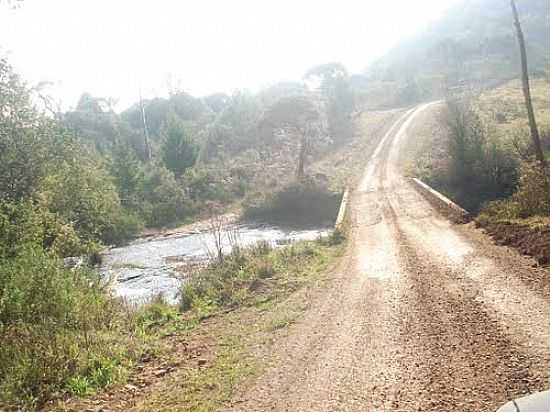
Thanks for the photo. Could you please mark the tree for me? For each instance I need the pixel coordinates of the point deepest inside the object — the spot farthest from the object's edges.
(338, 95)
(26, 138)
(95, 121)
(294, 115)
(126, 170)
(527, 88)
(178, 151)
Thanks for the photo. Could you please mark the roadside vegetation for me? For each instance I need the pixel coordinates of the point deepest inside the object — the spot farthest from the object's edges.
(73, 182)
(208, 341)
(478, 151)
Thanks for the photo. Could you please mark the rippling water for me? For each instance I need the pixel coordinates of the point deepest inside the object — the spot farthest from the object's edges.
(145, 269)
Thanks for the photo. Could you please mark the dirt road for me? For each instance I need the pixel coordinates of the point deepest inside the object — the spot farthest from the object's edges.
(421, 315)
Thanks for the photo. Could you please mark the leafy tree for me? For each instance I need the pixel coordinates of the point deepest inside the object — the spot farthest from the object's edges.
(481, 167)
(162, 199)
(235, 128)
(296, 115)
(81, 191)
(217, 102)
(95, 122)
(127, 173)
(24, 138)
(334, 83)
(178, 151)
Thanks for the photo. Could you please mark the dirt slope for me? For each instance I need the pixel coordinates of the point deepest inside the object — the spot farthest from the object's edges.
(422, 315)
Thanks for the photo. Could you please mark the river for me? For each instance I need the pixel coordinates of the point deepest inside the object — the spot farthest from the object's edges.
(148, 267)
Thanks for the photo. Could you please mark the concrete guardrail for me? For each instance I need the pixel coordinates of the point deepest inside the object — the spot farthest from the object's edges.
(444, 205)
(340, 220)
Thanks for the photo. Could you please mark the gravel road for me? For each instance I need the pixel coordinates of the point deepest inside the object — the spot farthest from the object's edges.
(421, 314)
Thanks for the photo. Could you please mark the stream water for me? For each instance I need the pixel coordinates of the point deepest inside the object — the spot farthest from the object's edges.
(147, 268)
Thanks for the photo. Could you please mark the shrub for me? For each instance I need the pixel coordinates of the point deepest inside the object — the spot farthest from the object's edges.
(235, 279)
(57, 330)
(303, 202)
(532, 197)
(163, 201)
(124, 226)
(24, 223)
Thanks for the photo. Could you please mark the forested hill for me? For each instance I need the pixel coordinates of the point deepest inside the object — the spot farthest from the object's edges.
(474, 43)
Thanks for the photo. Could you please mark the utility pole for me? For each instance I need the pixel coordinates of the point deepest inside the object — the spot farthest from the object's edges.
(145, 129)
(527, 89)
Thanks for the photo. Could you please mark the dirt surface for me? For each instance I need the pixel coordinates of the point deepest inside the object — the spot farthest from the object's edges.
(421, 314)
(534, 242)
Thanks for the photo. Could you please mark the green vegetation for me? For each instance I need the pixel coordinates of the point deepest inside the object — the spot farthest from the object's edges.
(305, 202)
(73, 182)
(225, 311)
(60, 332)
(240, 277)
(479, 152)
(247, 295)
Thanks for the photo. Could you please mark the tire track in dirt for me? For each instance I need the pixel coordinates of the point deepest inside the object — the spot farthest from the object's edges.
(418, 317)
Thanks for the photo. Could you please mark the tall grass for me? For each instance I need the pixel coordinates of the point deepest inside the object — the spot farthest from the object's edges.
(61, 333)
(242, 274)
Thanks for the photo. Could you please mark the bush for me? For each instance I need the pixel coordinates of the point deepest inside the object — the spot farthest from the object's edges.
(303, 202)
(57, 331)
(125, 226)
(482, 166)
(81, 192)
(531, 199)
(163, 201)
(202, 184)
(238, 277)
(25, 223)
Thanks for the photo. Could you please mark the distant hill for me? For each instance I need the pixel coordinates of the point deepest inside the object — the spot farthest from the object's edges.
(474, 44)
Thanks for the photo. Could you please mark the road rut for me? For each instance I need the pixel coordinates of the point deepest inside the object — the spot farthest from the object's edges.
(421, 314)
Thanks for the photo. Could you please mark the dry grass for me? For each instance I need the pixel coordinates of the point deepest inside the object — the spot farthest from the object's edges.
(345, 165)
(505, 108)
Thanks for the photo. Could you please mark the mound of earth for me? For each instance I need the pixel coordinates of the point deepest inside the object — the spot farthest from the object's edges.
(530, 241)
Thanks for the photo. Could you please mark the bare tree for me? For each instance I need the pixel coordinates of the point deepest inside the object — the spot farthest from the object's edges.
(527, 89)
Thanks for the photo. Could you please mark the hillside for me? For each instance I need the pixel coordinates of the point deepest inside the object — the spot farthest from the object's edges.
(472, 45)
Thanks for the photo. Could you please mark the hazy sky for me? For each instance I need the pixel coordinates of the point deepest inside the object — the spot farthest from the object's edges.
(114, 47)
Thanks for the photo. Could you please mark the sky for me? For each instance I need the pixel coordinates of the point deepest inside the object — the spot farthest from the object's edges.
(115, 48)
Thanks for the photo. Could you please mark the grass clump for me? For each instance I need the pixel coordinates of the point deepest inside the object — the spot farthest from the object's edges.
(244, 274)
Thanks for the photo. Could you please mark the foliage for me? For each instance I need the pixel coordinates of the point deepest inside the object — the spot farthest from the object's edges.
(178, 151)
(237, 278)
(482, 168)
(337, 90)
(25, 138)
(203, 184)
(531, 199)
(127, 174)
(58, 331)
(81, 192)
(162, 200)
(304, 202)
(297, 116)
(24, 223)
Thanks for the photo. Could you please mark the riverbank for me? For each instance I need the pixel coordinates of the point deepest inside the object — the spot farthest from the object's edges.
(201, 225)
(200, 357)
